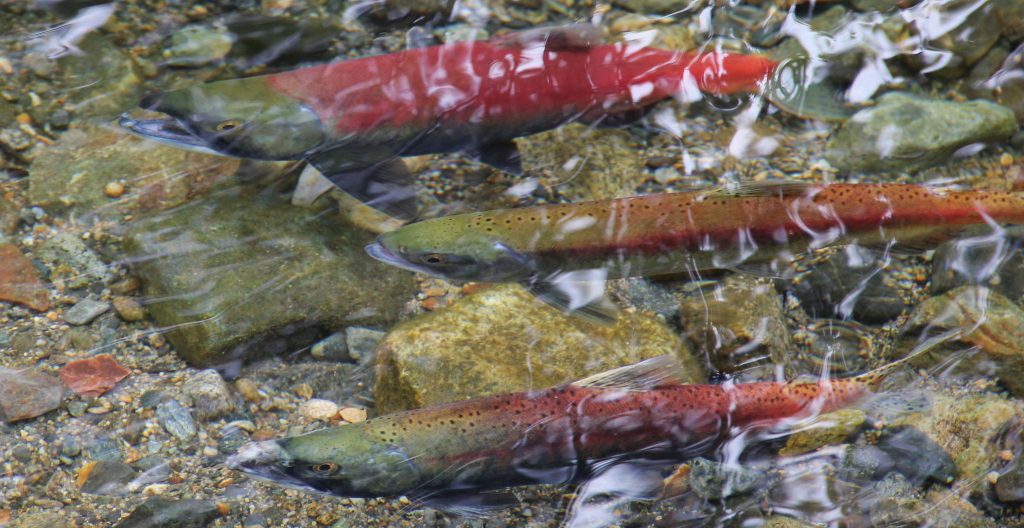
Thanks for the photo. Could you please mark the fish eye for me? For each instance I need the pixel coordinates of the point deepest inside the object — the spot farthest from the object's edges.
(324, 468)
(434, 258)
(227, 126)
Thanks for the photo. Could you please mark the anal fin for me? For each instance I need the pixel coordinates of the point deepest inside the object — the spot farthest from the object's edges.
(387, 186)
(470, 503)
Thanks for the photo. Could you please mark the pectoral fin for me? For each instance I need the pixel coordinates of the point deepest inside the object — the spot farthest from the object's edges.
(576, 294)
(503, 155)
(387, 186)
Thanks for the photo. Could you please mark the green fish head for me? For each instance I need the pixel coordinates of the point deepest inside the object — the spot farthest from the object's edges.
(239, 117)
(436, 248)
(344, 461)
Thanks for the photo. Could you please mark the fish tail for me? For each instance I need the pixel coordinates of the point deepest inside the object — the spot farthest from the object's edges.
(874, 378)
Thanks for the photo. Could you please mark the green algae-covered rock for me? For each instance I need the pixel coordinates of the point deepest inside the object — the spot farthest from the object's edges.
(587, 163)
(978, 319)
(827, 429)
(240, 274)
(740, 325)
(74, 172)
(504, 340)
(905, 132)
(966, 426)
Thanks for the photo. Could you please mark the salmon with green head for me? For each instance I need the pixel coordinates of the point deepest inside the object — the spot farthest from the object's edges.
(353, 119)
(440, 454)
(759, 227)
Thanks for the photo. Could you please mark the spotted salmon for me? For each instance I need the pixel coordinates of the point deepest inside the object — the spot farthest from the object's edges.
(352, 119)
(563, 252)
(446, 454)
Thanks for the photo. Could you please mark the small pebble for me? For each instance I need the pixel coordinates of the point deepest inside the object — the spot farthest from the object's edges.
(317, 409)
(85, 311)
(353, 414)
(304, 391)
(1006, 159)
(249, 390)
(113, 189)
(129, 309)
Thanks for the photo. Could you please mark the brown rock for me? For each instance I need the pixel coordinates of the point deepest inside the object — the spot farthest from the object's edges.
(129, 309)
(19, 280)
(93, 376)
(26, 394)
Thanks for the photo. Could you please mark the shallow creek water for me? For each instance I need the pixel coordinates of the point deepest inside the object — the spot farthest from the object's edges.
(164, 307)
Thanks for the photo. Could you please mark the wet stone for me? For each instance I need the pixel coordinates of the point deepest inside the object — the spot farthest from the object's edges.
(1010, 486)
(105, 79)
(984, 333)
(362, 342)
(107, 478)
(74, 172)
(209, 393)
(864, 464)
(965, 427)
(827, 429)
(176, 420)
(71, 261)
(916, 456)
(93, 376)
(161, 512)
(103, 447)
(502, 340)
(26, 394)
(650, 296)
(955, 49)
(43, 520)
(197, 45)
(333, 347)
(845, 347)
(878, 139)
(587, 163)
(714, 480)
(19, 280)
(128, 309)
(739, 324)
(245, 275)
(10, 217)
(852, 283)
(86, 311)
(891, 500)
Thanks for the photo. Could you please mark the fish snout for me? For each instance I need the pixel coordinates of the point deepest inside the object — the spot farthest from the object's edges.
(253, 457)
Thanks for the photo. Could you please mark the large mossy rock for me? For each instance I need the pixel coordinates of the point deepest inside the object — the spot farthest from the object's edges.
(504, 340)
(244, 273)
(905, 132)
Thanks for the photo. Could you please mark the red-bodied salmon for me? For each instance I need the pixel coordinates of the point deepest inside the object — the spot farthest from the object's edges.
(444, 453)
(564, 252)
(352, 119)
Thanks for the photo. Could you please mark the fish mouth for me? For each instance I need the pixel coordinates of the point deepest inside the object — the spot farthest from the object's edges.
(381, 252)
(266, 461)
(167, 130)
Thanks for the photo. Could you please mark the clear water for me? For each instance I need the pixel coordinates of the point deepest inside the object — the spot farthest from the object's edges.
(174, 262)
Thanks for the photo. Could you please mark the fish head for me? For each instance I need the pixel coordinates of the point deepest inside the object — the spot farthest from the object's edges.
(433, 248)
(344, 461)
(245, 118)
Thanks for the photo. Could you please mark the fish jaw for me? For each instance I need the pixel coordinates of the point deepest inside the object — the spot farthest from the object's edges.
(168, 131)
(266, 461)
(381, 252)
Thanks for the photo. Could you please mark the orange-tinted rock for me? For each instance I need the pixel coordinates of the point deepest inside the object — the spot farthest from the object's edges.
(93, 376)
(19, 280)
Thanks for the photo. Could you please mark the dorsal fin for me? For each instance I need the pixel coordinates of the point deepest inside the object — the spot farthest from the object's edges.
(762, 189)
(659, 371)
(572, 37)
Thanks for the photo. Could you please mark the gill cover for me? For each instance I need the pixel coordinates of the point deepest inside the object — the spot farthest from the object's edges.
(238, 117)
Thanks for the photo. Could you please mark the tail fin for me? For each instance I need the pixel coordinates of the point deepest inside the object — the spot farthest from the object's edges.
(874, 378)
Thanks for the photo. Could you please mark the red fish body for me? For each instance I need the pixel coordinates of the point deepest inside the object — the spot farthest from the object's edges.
(351, 119)
(557, 435)
(484, 91)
